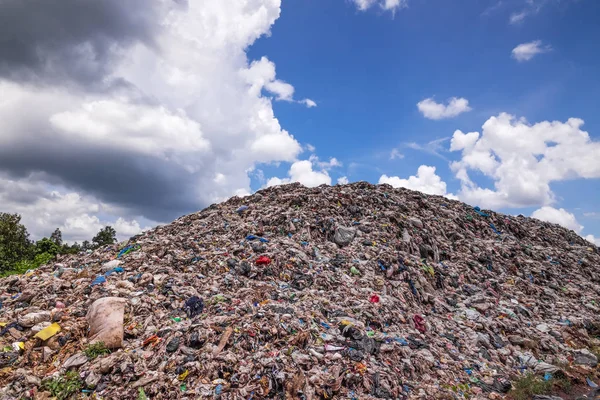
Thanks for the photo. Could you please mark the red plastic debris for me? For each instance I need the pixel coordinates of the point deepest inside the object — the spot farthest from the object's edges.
(419, 323)
(263, 260)
(374, 298)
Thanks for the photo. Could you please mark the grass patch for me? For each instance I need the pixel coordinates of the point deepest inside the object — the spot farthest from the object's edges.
(528, 386)
(95, 350)
(64, 386)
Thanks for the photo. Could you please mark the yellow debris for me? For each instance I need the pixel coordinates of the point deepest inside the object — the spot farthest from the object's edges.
(48, 332)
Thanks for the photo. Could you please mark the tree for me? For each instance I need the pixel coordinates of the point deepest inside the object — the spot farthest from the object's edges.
(56, 237)
(86, 245)
(72, 249)
(107, 235)
(47, 246)
(14, 240)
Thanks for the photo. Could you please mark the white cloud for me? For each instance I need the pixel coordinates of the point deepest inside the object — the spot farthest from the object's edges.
(532, 7)
(44, 208)
(128, 228)
(178, 122)
(388, 5)
(526, 51)
(434, 147)
(593, 239)
(462, 141)
(325, 165)
(364, 4)
(261, 75)
(519, 17)
(393, 4)
(81, 227)
(342, 180)
(139, 129)
(425, 181)
(432, 110)
(558, 216)
(396, 155)
(310, 147)
(308, 102)
(283, 90)
(302, 171)
(492, 8)
(522, 160)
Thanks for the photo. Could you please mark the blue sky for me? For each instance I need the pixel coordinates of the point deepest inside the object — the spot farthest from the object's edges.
(367, 70)
(167, 106)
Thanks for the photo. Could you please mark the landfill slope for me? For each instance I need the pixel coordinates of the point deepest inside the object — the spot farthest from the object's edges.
(352, 291)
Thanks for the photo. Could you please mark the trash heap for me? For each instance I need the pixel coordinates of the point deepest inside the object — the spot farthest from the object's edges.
(345, 292)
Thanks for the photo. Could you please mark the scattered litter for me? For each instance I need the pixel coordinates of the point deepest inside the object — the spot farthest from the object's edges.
(347, 292)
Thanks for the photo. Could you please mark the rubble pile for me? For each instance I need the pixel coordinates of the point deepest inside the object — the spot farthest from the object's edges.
(345, 292)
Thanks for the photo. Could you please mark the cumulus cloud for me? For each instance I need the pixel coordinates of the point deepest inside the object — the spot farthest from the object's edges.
(44, 208)
(343, 180)
(523, 160)
(388, 5)
(261, 76)
(303, 172)
(593, 239)
(426, 181)
(72, 41)
(432, 110)
(558, 216)
(526, 51)
(148, 108)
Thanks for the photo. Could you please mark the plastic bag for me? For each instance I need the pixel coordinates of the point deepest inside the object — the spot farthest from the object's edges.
(105, 317)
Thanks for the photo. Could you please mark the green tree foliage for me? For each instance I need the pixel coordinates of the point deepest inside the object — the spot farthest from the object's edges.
(56, 237)
(18, 254)
(28, 264)
(72, 249)
(48, 246)
(14, 241)
(107, 235)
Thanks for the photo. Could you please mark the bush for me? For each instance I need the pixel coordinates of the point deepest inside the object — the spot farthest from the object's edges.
(64, 386)
(92, 351)
(25, 265)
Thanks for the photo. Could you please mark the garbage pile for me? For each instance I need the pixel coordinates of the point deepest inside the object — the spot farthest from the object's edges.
(346, 292)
